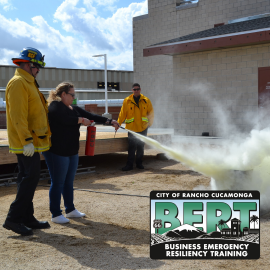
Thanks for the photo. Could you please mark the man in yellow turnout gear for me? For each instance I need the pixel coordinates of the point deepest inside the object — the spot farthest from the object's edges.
(28, 134)
(138, 113)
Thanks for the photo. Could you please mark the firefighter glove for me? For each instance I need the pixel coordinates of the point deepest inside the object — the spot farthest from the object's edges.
(28, 150)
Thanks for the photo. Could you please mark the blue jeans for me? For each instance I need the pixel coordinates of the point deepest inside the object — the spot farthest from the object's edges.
(62, 172)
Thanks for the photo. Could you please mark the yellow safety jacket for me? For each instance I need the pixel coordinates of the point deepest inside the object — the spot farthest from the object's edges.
(27, 114)
(137, 118)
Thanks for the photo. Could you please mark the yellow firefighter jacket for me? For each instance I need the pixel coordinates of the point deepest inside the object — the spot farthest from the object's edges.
(27, 114)
(137, 118)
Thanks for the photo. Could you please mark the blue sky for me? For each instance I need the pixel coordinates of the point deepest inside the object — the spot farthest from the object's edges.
(69, 32)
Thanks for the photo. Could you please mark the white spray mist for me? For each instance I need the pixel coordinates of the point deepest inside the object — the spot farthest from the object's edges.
(232, 165)
(241, 160)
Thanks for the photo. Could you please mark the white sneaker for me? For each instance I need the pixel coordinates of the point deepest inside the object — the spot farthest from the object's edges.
(60, 219)
(75, 213)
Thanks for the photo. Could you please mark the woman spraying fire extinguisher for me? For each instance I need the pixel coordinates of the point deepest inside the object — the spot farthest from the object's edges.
(62, 159)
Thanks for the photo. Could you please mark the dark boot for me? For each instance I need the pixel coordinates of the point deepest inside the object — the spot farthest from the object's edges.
(38, 224)
(18, 228)
(127, 168)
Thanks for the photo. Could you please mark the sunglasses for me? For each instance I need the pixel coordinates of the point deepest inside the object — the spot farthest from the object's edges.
(73, 95)
(35, 66)
(136, 89)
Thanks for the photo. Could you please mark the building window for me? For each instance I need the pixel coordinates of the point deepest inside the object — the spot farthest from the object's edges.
(184, 4)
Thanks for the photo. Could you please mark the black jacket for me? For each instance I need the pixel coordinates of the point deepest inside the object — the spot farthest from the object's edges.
(65, 128)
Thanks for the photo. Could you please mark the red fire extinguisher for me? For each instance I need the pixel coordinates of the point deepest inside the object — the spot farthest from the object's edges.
(90, 139)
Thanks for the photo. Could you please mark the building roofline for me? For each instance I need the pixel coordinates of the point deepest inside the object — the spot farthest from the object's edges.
(244, 38)
(14, 66)
(212, 37)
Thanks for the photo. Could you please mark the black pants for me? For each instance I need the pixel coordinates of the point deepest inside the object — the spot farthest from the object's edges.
(22, 209)
(133, 145)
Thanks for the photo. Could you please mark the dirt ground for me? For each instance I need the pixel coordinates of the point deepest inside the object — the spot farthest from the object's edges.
(115, 233)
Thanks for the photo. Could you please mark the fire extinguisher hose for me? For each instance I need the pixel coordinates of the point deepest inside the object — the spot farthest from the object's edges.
(108, 193)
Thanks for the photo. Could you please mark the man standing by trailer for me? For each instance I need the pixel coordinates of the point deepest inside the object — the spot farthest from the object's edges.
(28, 134)
(138, 113)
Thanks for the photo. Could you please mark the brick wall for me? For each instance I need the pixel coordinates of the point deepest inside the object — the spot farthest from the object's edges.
(93, 108)
(113, 110)
(206, 82)
(2, 119)
(157, 74)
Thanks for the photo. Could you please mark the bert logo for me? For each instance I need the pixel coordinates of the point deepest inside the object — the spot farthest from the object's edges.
(205, 225)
